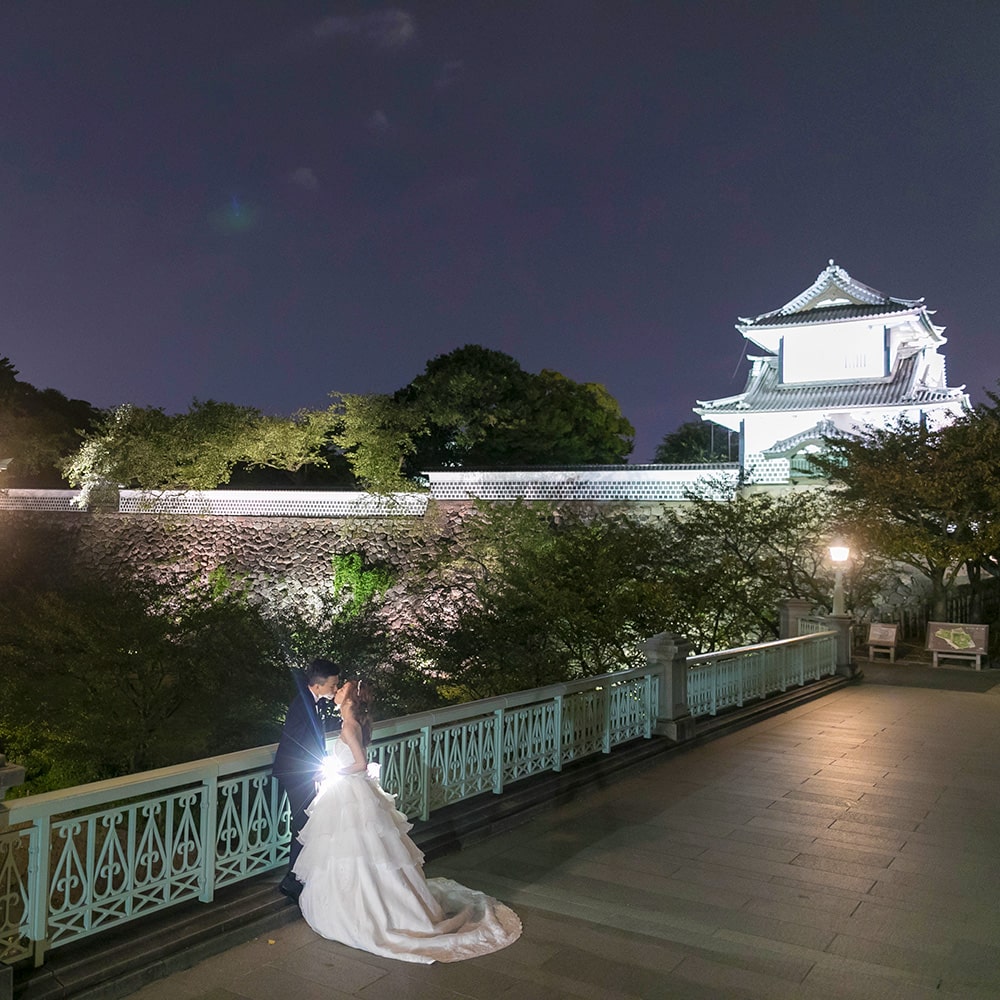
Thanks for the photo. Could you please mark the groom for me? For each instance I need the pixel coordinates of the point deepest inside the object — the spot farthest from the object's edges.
(300, 753)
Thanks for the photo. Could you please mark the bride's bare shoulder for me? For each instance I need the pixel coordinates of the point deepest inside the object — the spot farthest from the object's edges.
(350, 728)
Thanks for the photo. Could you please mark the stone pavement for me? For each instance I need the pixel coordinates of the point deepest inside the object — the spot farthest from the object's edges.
(845, 849)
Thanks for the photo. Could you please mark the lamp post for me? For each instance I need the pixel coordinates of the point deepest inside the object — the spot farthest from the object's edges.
(839, 554)
(839, 621)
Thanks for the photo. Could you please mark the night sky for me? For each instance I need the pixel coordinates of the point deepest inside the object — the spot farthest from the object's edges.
(264, 202)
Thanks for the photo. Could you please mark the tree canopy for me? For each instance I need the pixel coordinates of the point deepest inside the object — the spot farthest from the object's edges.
(528, 595)
(38, 428)
(698, 441)
(736, 555)
(146, 448)
(376, 436)
(926, 497)
(472, 407)
(478, 407)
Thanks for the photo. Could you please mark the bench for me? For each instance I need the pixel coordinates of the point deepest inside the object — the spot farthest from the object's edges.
(958, 641)
(882, 639)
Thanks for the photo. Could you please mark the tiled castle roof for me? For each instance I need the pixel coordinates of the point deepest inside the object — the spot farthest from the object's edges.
(818, 431)
(826, 314)
(833, 295)
(764, 393)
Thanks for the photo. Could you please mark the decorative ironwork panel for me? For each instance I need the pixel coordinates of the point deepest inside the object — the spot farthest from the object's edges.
(700, 679)
(583, 724)
(14, 852)
(401, 771)
(529, 741)
(462, 760)
(116, 864)
(729, 684)
(809, 625)
(757, 672)
(252, 827)
(630, 711)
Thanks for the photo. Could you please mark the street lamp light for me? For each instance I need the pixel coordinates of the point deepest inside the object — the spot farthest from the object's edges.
(839, 554)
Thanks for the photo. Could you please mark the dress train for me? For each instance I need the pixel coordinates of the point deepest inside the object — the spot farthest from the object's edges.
(364, 883)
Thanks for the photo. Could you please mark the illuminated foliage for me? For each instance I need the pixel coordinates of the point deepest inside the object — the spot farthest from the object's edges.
(377, 435)
(145, 448)
(529, 596)
(358, 585)
(734, 559)
(929, 498)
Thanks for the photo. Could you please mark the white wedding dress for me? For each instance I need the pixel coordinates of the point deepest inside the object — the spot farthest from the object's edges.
(364, 883)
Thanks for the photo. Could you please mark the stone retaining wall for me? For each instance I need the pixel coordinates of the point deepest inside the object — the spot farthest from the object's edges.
(278, 559)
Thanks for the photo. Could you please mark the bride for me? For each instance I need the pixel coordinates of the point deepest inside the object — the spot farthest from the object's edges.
(364, 880)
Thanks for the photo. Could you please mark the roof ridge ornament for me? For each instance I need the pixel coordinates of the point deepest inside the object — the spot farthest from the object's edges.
(835, 276)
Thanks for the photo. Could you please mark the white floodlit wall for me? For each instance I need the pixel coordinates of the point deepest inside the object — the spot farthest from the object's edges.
(274, 503)
(768, 471)
(249, 503)
(636, 483)
(608, 483)
(38, 499)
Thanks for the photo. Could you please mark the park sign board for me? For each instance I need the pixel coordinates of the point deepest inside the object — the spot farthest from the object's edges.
(959, 640)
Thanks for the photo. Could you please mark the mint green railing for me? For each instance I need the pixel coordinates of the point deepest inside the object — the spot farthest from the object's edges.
(80, 861)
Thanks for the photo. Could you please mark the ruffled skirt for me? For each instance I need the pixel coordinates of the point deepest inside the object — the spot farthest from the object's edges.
(364, 883)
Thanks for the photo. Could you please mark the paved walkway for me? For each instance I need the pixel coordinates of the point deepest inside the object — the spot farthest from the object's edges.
(845, 849)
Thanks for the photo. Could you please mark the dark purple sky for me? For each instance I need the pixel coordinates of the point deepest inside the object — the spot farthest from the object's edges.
(264, 202)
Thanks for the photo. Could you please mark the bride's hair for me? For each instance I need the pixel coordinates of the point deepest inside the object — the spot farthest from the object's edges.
(359, 694)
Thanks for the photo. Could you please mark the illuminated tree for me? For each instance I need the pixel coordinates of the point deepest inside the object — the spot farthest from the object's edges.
(527, 595)
(736, 555)
(376, 435)
(926, 497)
(145, 448)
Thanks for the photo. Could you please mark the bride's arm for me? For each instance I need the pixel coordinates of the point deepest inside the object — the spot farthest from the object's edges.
(351, 735)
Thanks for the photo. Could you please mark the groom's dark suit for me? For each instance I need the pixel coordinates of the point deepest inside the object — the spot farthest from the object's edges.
(298, 760)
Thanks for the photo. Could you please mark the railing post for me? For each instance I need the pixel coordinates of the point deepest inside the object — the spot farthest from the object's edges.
(606, 699)
(790, 611)
(647, 697)
(558, 724)
(209, 829)
(667, 654)
(11, 775)
(38, 887)
(841, 624)
(425, 792)
(498, 724)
